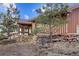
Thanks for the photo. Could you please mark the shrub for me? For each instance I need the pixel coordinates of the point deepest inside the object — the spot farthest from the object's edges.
(1, 36)
(36, 30)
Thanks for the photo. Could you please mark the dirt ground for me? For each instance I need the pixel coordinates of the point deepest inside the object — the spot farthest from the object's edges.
(18, 49)
(62, 49)
(26, 49)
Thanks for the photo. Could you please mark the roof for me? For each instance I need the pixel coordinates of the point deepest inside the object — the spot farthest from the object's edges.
(74, 6)
(25, 22)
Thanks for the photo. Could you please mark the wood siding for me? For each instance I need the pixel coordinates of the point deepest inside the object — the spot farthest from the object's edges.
(70, 27)
(73, 21)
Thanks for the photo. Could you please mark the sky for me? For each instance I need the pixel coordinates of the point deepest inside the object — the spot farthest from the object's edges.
(26, 9)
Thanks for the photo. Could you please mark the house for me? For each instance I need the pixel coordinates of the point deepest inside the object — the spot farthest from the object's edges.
(72, 26)
(26, 26)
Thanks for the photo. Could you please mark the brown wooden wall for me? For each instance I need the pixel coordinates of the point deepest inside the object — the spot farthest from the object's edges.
(70, 27)
(73, 20)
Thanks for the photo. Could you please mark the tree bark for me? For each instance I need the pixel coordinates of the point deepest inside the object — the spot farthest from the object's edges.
(50, 32)
(8, 32)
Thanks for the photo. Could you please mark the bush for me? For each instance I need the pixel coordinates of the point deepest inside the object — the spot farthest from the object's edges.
(2, 36)
(36, 30)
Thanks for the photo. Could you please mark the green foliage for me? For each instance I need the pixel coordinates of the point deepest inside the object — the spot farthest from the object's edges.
(55, 13)
(36, 30)
(1, 36)
(9, 19)
(3, 29)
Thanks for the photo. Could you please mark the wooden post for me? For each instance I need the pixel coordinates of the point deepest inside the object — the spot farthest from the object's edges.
(28, 30)
(33, 26)
(31, 29)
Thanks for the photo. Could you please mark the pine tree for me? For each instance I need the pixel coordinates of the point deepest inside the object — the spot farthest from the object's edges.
(9, 19)
(53, 14)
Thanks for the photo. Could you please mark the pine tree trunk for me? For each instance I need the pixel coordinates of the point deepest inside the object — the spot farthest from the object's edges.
(8, 32)
(50, 32)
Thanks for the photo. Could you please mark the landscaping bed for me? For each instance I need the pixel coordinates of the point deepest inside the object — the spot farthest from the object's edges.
(59, 45)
